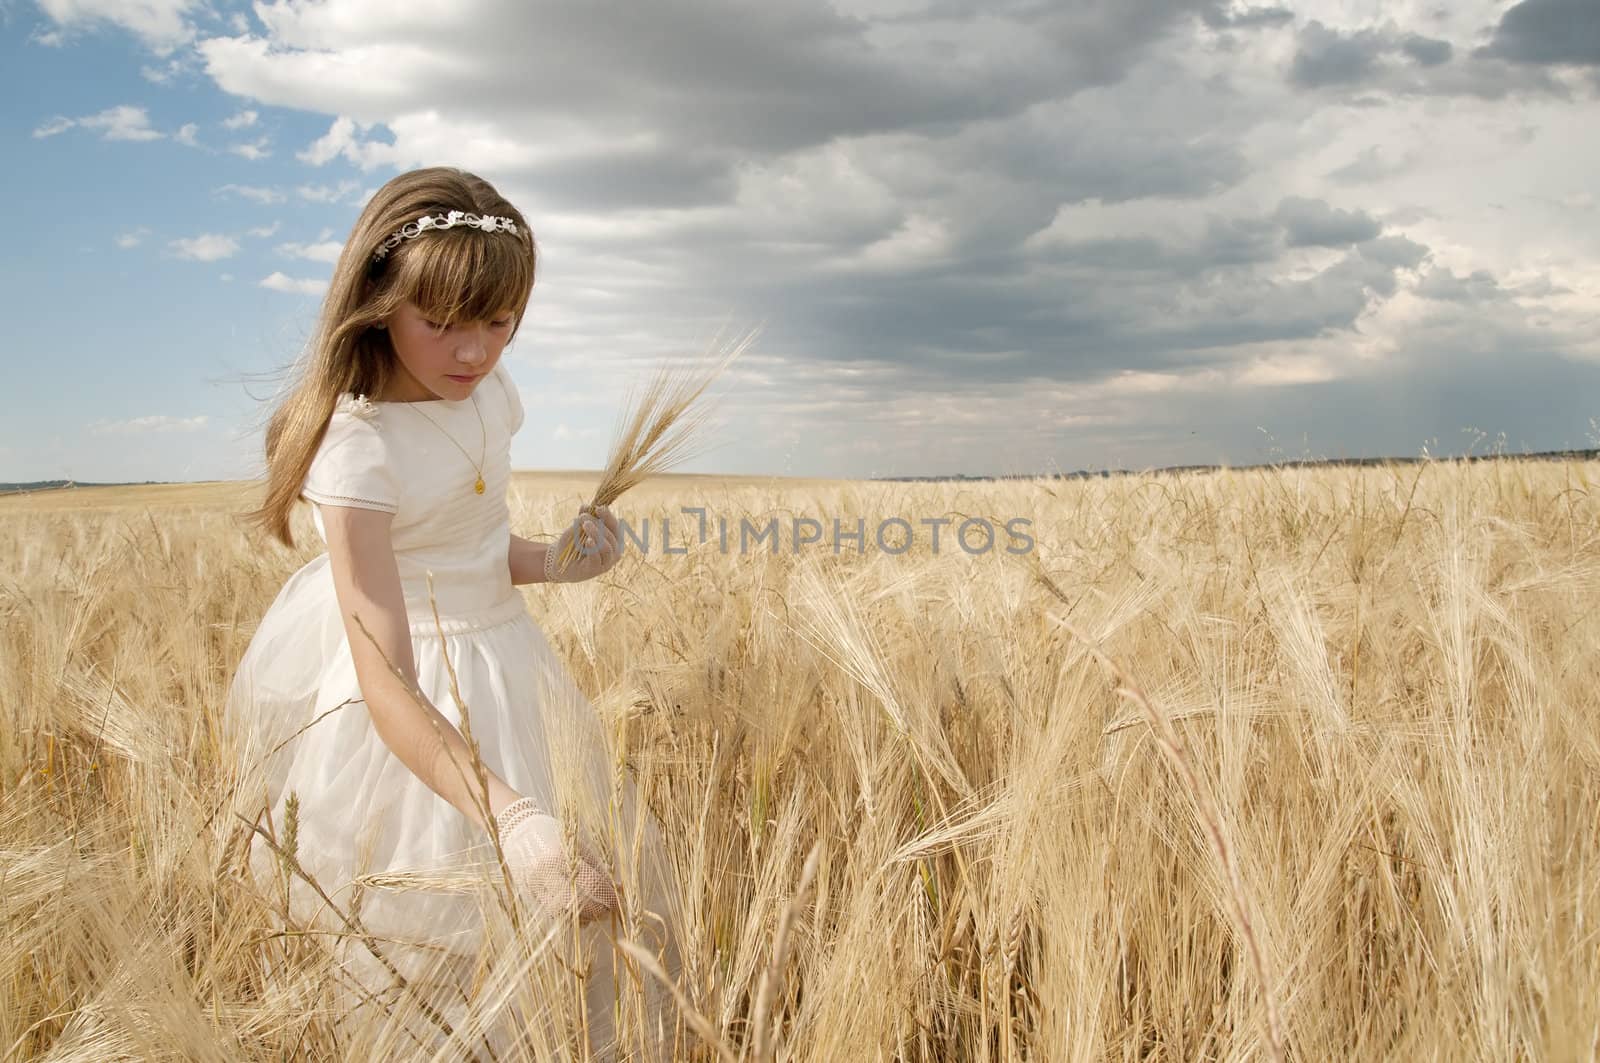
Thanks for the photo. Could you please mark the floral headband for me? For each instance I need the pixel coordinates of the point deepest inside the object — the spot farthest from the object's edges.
(411, 229)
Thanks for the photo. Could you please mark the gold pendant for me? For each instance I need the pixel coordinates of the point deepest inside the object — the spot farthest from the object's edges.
(478, 487)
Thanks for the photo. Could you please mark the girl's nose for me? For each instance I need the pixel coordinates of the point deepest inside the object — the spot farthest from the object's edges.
(473, 347)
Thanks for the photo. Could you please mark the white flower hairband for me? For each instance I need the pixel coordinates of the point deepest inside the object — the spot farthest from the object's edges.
(487, 222)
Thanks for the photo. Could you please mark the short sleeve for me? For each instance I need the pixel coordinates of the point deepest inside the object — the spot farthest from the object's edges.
(513, 399)
(352, 467)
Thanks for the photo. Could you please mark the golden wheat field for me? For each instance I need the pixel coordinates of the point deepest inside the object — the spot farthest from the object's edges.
(1297, 763)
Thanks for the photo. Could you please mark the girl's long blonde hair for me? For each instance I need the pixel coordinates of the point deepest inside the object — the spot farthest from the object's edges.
(453, 274)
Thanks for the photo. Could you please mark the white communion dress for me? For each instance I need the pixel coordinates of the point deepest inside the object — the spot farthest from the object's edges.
(374, 837)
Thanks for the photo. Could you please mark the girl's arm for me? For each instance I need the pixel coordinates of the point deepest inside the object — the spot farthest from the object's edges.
(366, 580)
(527, 560)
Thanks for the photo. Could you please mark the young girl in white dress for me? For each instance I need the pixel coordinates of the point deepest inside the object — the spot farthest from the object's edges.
(344, 710)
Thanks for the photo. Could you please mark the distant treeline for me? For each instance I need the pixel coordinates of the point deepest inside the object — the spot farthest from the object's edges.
(1087, 474)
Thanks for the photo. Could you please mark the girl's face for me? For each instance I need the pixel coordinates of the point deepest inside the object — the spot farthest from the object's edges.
(442, 362)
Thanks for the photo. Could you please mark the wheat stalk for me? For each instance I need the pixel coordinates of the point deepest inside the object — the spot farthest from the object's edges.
(764, 1045)
(659, 432)
(1172, 743)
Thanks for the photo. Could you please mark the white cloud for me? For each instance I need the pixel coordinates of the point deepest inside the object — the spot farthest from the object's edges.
(132, 238)
(253, 151)
(161, 24)
(158, 75)
(225, 277)
(327, 193)
(54, 126)
(265, 230)
(426, 134)
(325, 251)
(338, 140)
(256, 193)
(328, 146)
(242, 120)
(152, 423)
(185, 134)
(207, 247)
(280, 282)
(124, 122)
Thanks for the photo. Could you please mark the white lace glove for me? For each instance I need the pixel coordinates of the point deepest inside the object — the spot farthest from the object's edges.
(598, 539)
(537, 857)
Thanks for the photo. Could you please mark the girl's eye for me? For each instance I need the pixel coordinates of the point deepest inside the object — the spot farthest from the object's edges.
(502, 324)
(434, 325)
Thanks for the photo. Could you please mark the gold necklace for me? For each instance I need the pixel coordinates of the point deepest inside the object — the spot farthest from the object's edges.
(478, 465)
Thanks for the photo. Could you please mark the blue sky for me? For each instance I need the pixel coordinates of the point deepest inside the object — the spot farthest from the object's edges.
(989, 238)
(103, 334)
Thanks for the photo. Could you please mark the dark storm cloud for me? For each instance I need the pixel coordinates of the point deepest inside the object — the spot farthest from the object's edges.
(1327, 57)
(763, 78)
(1096, 42)
(660, 176)
(1077, 154)
(1233, 242)
(1042, 159)
(1313, 223)
(1247, 19)
(1425, 50)
(1396, 252)
(1548, 32)
(1084, 309)
(784, 75)
(1408, 63)
(1477, 287)
(690, 90)
(1225, 242)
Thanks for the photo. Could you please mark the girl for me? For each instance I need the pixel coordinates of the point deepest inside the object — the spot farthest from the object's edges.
(346, 706)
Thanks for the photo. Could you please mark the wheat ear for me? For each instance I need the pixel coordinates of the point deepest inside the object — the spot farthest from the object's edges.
(661, 429)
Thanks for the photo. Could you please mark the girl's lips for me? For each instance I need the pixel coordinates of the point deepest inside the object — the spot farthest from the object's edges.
(462, 379)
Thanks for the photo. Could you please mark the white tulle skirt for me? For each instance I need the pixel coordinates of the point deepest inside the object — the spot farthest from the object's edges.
(399, 863)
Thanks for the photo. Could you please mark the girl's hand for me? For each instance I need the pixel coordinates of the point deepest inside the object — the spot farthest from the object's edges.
(599, 545)
(540, 863)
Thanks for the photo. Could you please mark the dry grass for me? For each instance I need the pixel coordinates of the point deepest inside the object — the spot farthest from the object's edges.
(1302, 756)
